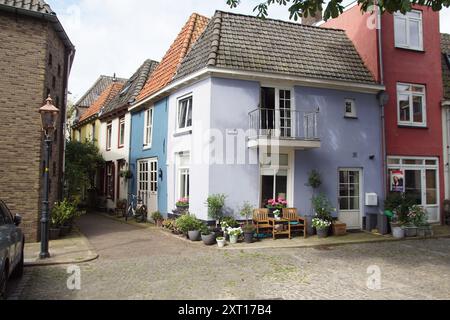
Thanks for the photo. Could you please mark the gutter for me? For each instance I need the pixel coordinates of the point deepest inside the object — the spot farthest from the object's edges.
(261, 76)
(42, 16)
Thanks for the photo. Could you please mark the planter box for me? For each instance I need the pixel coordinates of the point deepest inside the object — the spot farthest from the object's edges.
(410, 232)
(339, 229)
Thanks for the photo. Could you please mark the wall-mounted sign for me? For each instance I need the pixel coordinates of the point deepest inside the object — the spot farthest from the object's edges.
(397, 181)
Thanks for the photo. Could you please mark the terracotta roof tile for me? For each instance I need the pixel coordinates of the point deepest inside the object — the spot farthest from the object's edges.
(167, 69)
(107, 95)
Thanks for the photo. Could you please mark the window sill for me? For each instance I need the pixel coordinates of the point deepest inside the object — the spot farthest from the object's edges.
(120, 147)
(182, 133)
(146, 147)
(410, 49)
(351, 117)
(412, 126)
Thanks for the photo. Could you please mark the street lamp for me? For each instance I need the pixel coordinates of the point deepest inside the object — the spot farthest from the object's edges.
(49, 115)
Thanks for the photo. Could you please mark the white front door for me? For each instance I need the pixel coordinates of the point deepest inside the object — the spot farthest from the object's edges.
(350, 195)
(148, 183)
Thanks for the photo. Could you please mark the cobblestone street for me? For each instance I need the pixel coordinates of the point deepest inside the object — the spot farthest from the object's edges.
(137, 263)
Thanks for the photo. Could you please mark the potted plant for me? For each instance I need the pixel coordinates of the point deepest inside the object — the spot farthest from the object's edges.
(55, 223)
(248, 229)
(215, 204)
(221, 242)
(126, 174)
(322, 226)
(234, 233)
(157, 218)
(277, 214)
(208, 237)
(183, 205)
(417, 217)
(276, 204)
(190, 226)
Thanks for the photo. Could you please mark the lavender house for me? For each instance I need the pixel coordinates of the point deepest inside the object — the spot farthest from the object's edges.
(257, 105)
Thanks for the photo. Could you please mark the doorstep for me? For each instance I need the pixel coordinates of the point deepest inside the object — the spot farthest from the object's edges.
(73, 249)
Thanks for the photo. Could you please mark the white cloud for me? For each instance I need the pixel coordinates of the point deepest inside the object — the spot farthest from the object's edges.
(116, 36)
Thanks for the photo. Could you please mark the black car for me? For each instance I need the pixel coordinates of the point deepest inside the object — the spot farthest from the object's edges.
(12, 242)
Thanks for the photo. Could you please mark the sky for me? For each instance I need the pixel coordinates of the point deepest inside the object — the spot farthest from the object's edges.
(117, 36)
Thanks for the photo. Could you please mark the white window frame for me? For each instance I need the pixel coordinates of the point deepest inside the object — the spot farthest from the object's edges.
(411, 95)
(423, 167)
(353, 113)
(148, 127)
(183, 168)
(179, 101)
(109, 130)
(407, 18)
(121, 122)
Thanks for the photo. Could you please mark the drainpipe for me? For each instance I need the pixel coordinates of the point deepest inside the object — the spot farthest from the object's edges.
(383, 98)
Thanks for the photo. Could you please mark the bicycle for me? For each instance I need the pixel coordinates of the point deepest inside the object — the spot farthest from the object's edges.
(136, 209)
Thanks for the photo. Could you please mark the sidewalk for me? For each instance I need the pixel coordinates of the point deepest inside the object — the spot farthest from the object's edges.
(72, 249)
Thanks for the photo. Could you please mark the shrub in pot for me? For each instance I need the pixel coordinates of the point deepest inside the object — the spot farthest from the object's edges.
(189, 225)
(215, 204)
(322, 227)
(183, 206)
(249, 229)
(208, 237)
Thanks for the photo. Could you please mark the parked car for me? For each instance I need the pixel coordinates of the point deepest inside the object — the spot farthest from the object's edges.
(12, 243)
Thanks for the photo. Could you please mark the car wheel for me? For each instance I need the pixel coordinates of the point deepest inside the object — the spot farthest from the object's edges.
(18, 271)
(3, 283)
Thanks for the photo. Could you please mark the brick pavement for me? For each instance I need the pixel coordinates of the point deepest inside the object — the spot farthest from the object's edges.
(137, 263)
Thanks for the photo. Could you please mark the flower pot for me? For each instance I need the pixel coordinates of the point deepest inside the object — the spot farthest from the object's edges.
(410, 232)
(182, 210)
(209, 239)
(64, 231)
(398, 233)
(248, 237)
(221, 243)
(194, 235)
(54, 233)
(233, 239)
(323, 233)
(425, 231)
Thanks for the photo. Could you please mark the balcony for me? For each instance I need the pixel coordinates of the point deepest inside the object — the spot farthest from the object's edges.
(284, 128)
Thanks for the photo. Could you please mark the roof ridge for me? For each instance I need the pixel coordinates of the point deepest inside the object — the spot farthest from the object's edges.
(279, 20)
(215, 39)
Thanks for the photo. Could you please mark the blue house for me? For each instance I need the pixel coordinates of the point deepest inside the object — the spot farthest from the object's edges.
(149, 122)
(257, 105)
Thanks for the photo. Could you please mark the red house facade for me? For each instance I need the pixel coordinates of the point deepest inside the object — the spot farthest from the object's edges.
(404, 53)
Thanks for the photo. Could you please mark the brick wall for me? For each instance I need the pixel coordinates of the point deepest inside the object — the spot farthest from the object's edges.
(24, 79)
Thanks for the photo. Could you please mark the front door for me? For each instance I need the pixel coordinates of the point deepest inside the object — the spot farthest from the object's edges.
(148, 183)
(350, 195)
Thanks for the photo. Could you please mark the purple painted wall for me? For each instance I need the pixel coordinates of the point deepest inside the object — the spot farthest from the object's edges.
(346, 143)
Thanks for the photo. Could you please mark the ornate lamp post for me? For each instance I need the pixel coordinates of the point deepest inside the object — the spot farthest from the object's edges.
(49, 115)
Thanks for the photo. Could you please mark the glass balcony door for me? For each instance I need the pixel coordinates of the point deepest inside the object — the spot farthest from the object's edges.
(276, 112)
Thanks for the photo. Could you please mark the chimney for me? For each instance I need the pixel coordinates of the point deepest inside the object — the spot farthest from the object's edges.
(311, 20)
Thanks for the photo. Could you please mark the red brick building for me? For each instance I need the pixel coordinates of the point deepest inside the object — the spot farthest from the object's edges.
(35, 60)
(404, 53)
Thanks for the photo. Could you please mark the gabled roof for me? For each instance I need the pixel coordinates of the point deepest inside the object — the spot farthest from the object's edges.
(166, 70)
(131, 88)
(96, 90)
(111, 91)
(38, 9)
(247, 43)
(445, 45)
(32, 5)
